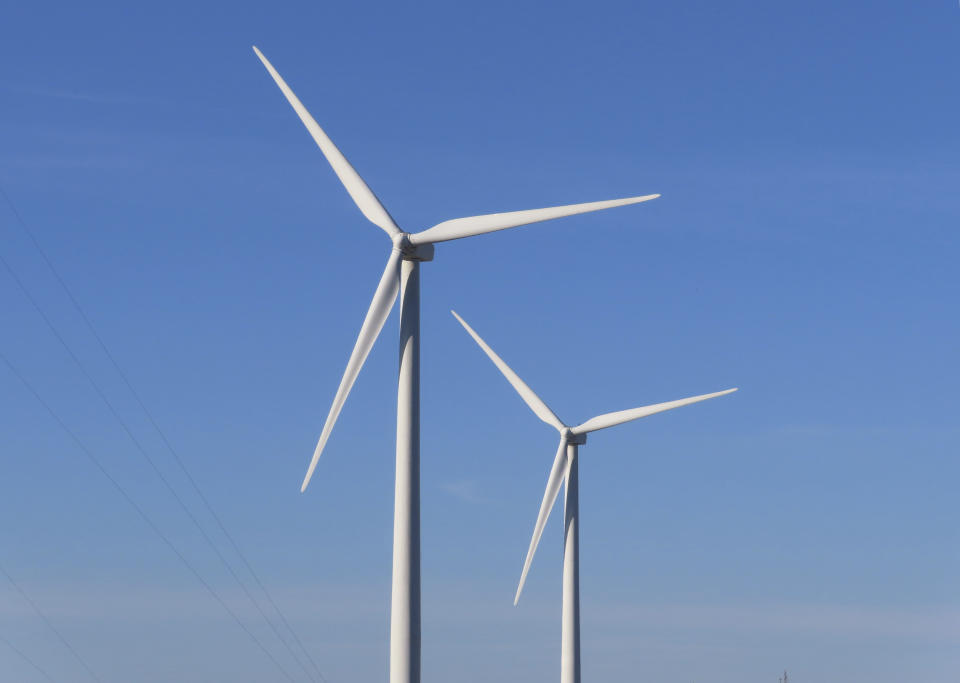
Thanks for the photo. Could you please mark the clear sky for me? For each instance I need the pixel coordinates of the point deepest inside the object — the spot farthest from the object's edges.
(804, 249)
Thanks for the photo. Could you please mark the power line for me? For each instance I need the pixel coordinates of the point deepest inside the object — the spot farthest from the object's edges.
(166, 441)
(50, 625)
(149, 459)
(142, 514)
(27, 659)
(143, 452)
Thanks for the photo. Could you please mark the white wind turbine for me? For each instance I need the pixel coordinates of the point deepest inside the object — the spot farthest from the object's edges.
(402, 274)
(565, 468)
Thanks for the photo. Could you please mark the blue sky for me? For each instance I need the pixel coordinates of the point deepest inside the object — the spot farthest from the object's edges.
(804, 250)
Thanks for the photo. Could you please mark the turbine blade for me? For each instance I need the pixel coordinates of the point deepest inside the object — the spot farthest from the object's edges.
(362, 195)
(477, 225)
(557, 474)
(611, 419)
(526, 393)
(377, 314)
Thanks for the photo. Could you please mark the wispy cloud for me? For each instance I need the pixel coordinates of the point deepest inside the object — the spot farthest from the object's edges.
(834, 620)
(467, 491)
(80, 161)
(336, 602)
(466, 603)
(91, 97)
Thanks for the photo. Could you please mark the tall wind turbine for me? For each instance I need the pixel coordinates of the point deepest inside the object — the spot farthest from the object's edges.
(565, 468)
(403, 274)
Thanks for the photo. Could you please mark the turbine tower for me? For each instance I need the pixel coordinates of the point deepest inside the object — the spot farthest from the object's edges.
(402, 274)
(566, 468)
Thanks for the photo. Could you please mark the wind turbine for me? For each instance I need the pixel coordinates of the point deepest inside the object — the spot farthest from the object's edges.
(403, 274)
(565, 468)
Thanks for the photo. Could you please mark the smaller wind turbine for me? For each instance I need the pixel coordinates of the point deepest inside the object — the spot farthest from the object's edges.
(565, 468)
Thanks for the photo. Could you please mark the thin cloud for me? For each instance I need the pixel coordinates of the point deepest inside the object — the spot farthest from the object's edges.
(837, 620)
(92, 97)
(467, 491)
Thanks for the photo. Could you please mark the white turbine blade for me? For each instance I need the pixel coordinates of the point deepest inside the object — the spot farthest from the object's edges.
(377, 314)
(362, 195)
(557, 474)
(611, 419)
(526, 393)
(477, 225)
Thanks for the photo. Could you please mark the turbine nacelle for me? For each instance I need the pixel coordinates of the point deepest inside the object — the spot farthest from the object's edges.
(410, 251)
(571, 438)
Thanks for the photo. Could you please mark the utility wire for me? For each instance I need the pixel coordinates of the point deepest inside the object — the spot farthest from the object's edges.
(163, 436)
(166, 441)
(27, 659)
(150, 460)
(140, 511)
(50, 625)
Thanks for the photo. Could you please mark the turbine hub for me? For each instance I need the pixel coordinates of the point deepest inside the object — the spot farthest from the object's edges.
(573, 439)
(410, 251)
